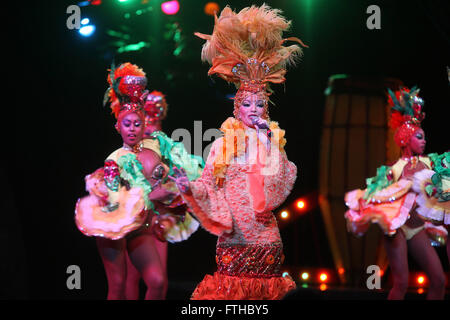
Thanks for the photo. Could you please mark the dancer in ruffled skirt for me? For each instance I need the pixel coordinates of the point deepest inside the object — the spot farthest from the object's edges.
(132, 203)
(390, 201)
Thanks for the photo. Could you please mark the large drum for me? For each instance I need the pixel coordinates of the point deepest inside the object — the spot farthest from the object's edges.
(356, 140)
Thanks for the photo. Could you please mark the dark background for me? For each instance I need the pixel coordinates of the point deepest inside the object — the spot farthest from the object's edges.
(60, 132)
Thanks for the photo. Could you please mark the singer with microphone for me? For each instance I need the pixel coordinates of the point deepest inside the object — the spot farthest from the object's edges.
(247, 173)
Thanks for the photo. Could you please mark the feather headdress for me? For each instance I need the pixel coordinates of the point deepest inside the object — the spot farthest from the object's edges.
(126, 90)
(246, 48)
(155, 107)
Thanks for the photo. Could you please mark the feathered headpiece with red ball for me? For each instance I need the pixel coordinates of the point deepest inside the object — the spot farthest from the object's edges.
(406, 113)
(155, 107)
(126, 90)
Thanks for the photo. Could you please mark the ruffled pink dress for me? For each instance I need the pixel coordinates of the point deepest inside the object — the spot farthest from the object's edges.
(249, 251)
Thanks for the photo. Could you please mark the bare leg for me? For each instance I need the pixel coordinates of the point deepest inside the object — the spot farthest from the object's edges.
(113, 256)
(425, 255)
(145, 257)
(397, 253)
(132, 282)
(161, 247)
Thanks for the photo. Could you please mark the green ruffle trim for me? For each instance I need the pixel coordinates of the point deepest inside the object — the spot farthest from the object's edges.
(429, 189)
(175, 154)
(379, 182)
(441, 167)
(131, 170)
(441, 163)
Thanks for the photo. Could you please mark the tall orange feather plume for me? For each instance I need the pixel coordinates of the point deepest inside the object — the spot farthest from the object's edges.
(247, 47)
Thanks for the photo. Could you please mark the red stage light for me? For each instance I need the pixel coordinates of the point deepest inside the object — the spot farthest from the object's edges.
(284, 214)
(421, 279)
(211, 8)
(323, 277)
(301, 204)
(323, 287)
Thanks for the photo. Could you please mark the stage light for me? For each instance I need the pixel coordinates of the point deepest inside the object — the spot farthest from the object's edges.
(323, 287)
(301, 204)
(420, 290)
(89, 2)
(133, 47)
(323, 277)
(341, 270)
(87, 30)
(170, 7)
(305, 276)
(420, 280)
(85, 21)
(211, 8)
(284, 214)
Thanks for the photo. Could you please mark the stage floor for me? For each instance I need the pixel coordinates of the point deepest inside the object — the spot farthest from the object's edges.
(182, 291)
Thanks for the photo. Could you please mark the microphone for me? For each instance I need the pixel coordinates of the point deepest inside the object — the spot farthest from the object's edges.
(255, 123)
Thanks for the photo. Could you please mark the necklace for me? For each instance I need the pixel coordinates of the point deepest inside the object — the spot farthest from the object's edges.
(135, 149)
(413, 160)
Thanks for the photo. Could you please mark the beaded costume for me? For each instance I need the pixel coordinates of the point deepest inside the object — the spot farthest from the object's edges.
(118, 202)
(235, 196)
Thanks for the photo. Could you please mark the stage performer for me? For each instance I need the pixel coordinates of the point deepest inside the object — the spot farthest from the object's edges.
(131, 201)
(247, 173)
(390, 201)
(169, 227)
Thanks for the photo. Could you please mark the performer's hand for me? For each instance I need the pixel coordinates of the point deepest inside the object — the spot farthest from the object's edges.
(181, 180)
(165, 209)
(161, 194)
(260, 123)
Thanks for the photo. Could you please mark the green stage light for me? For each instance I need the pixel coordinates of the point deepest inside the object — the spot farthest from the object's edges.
(133, 47)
